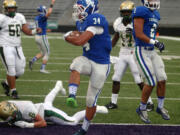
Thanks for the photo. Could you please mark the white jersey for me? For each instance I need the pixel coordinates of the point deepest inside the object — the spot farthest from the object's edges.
(127, 41)
(27, 109)
(10, 29)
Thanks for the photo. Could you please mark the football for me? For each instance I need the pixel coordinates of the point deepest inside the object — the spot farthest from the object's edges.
(75, 33)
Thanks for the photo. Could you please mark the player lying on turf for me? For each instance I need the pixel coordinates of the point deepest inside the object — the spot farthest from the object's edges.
(26, 114)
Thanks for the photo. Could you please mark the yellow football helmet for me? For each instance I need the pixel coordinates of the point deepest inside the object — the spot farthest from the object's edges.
(126, 10)
(9, 4)
(7, 109)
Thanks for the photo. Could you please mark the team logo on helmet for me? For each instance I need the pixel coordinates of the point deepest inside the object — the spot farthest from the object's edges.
(83, 8)
(42, 9)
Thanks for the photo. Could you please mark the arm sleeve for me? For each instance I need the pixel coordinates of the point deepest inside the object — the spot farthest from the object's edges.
(96, 30)
(24, 124)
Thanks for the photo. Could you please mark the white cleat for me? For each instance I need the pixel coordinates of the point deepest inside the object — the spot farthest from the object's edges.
(101, 109)
(44, 71)
(59, 86)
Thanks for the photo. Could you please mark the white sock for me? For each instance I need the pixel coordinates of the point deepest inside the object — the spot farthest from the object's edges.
(160, 102)
(79, 116)
(114, 98)
(73, 89)
(86, 124)
(150, 100)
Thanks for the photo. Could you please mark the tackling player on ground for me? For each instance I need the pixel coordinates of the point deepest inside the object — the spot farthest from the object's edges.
(11, 53)
(41, 39)
(26, 114)
(145, 23)
(123, 31)
(96, 42)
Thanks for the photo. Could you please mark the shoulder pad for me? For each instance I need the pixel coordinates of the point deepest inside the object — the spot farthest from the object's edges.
(140, 11)
(95, 20)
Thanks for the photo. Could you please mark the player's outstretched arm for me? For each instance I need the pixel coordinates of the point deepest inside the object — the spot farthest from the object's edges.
(39, 122)
(30, 32)
(50, 8)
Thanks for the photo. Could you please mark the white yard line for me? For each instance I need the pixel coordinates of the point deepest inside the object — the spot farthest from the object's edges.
(83, 97)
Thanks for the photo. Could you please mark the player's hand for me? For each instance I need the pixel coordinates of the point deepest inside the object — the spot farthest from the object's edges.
(39, 30)
(129, 30)
(159, 45)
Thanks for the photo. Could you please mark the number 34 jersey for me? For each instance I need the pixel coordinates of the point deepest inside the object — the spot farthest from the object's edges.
(10, 29)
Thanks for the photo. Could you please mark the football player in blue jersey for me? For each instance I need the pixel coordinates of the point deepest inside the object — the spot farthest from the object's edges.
(93, 36)
(145, 23)
(41, 39)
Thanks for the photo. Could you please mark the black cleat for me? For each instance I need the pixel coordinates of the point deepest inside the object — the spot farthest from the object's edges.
(111, 106)
(30, 65)
(6, 88)
(14, 95)
(150, 107)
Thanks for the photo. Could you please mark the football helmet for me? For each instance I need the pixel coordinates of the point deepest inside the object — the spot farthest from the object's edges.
(10, 7)
(126, 10)
(7, 110)
(151, 4)
(83, 8)
(42, 9)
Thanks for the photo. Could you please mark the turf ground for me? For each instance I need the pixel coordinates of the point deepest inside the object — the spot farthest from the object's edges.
(34, 85)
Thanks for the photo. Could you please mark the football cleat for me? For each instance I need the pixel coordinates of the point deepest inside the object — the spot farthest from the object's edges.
(101, 109)
(30, 65)
(71, 101)
(163, 112)
(14, 95)
(44, 71)
(59, 86)
(150, 106)
(80, 132)
(6, 88)
(111, 106)
(143, 115)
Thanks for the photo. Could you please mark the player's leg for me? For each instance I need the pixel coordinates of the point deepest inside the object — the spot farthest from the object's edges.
(138, 80)
(8, 56)
(98, 77)
(161, 85)
(80, 65)
(46, 51)
(39, 41)
(145, 66)
(119, 70)
(53, 93)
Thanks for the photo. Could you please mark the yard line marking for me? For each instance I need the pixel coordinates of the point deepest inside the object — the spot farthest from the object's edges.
(169, 38)
(67, 81)
(83, 97)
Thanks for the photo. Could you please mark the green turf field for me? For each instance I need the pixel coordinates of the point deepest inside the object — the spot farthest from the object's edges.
(34, 85)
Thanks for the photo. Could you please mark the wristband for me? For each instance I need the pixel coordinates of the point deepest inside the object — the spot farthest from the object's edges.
(51, 6)
(152, 41)
(34, 31)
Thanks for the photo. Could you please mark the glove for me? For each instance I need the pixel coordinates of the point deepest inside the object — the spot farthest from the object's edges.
(23, 124)
(159, 45)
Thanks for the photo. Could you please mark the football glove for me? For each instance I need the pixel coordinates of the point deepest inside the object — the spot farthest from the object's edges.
(159, 45)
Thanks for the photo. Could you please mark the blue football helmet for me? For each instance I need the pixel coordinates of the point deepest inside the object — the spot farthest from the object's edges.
(151, 4)
(42, 9)
(83, 8)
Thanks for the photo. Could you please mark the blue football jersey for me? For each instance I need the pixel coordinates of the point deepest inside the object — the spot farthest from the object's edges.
(41, 22)
(99, 47)
(151, 19)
